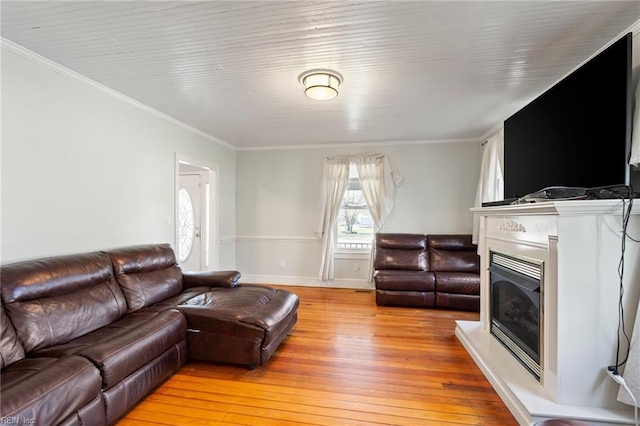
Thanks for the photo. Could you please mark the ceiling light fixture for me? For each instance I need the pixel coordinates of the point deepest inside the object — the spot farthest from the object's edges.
(320, 85)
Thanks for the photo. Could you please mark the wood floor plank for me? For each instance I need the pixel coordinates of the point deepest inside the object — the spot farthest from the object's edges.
(346, 362)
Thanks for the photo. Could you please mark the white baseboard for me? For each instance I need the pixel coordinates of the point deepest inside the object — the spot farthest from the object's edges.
(306, 282)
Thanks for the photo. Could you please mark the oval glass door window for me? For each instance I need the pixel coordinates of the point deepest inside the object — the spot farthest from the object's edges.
(186, 225)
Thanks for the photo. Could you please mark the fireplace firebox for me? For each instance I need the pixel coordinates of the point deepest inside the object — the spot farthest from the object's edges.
(516, 308)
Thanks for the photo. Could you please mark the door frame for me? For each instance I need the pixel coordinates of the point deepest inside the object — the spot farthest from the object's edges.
(211, 262)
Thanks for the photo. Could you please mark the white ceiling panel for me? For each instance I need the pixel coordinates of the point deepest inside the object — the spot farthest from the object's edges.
(413, 71)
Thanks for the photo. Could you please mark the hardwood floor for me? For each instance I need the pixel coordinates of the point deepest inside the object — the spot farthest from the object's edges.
(346, 362)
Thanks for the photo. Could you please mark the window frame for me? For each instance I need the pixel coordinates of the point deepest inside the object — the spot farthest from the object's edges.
(340, 252)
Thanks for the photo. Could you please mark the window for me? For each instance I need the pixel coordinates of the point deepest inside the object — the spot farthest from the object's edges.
(354, 225)
(186, 225)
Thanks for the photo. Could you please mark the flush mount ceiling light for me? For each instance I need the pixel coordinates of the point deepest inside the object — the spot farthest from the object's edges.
(320, 85)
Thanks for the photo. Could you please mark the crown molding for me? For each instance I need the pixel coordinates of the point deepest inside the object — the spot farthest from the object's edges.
(635, 28)
(56, 67)
(357, 145)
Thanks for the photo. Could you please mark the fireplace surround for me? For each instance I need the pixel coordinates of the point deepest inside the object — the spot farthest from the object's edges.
(577, 247)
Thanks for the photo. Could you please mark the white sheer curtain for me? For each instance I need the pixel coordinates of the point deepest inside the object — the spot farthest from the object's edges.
(334, 183)
(491, 183)
(635, 135)
(378, 188)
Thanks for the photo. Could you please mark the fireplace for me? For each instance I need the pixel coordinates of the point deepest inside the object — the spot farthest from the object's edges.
(516, 308)
(572, 250)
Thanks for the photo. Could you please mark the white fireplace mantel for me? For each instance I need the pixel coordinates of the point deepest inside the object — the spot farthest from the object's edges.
(580, 244)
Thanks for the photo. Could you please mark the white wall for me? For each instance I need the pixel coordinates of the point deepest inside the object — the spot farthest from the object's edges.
(82, 170)
(277, 199)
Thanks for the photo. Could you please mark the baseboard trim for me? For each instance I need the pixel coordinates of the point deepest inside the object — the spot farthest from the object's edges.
(306, 282)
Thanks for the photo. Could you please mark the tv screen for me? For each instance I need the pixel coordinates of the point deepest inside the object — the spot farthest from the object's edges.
(576, 134)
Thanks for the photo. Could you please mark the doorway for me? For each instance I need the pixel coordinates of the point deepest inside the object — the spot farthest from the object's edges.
(196, 213)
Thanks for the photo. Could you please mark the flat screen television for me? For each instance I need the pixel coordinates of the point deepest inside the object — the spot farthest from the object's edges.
(577, 133)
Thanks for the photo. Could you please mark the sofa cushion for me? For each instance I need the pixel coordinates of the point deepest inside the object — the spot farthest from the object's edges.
(451, 242)
(231, 310)
(458, 282)
(242, 325)
(10, 348)
(121, 348)
(454, 261)
(147, 274)
(418, 299)
(45, 391)
(400, 252)
(401, 241)
(453, 253)
(404, 280)
(54, 300)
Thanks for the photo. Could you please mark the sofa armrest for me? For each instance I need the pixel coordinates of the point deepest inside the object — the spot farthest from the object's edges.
(211, 279)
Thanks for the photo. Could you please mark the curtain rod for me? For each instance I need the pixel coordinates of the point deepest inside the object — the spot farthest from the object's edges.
(356, 156)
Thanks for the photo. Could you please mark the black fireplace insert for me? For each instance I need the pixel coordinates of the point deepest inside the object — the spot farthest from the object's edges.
(516, 314)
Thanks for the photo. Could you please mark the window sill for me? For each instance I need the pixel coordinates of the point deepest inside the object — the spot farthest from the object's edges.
(357, 254)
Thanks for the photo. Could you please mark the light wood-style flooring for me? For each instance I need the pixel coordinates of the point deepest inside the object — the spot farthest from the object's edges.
(346, 362)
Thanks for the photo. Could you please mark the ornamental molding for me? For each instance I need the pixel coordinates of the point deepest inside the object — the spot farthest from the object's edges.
(511, 226)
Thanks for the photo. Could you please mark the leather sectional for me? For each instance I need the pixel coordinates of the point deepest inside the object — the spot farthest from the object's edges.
(86, 336)
(427, 271)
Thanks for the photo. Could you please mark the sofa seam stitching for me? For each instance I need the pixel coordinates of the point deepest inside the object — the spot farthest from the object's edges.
(141, 338)
(49, 391)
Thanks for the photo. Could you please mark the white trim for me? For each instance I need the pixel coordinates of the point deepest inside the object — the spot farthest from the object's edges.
(352, 255)
(634, 29)
(227, 239)
(278, 239)
(306, 282)
(561, 208)
(357, 144)
(493, 130)
(54, 66)
(214, 208)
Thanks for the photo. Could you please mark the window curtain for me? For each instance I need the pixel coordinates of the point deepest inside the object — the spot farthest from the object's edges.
(635, 135)
(378, 189)
(491, 183)
(334, 183)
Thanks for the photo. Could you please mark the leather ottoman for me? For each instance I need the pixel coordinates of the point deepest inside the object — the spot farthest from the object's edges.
(241, 325)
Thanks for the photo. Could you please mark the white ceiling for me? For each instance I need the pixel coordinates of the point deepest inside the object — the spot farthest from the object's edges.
(413, 71)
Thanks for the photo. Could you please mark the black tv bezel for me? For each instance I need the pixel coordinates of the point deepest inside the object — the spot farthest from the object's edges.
(622, 168)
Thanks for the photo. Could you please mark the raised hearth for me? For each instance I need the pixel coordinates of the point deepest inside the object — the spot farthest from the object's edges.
(577, 245)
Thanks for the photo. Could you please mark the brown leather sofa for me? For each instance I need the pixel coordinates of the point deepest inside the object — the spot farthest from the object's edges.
(427, 271)
(85, 337)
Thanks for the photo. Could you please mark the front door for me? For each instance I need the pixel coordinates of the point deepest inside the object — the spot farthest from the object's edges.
(190, 204)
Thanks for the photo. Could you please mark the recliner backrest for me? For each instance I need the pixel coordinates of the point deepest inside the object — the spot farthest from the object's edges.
(10, 348)
(57, 299)
(401, 251)
(453, 253)
(147, 274)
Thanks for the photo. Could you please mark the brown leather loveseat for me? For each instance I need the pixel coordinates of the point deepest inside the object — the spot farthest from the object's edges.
(427, 271)
(86, 336)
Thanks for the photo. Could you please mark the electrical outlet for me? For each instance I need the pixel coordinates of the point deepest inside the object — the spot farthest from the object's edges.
(282, 263)
(356, 266)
